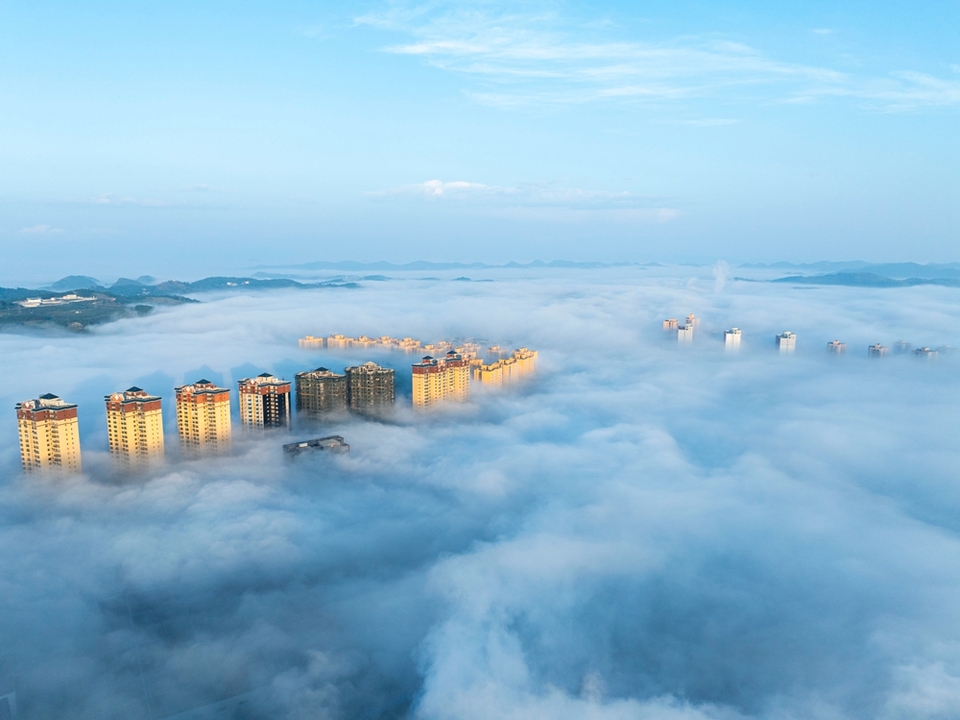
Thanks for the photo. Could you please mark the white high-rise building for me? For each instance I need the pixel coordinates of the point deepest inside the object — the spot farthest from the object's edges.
(786, 342)
(685, 334)
(731, 339)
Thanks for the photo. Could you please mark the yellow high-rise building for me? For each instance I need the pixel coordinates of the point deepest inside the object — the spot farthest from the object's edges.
(203, 416)
(521, 364)
(135, 427)
(312, 343)
(436, 381)
(49, 435)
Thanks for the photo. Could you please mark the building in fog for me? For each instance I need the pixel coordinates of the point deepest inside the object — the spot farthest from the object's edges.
(693, 321)
(437, 381)
(331, 444)
(685, 334)
(312, 343)
(876, 351)
(264, 401)
(731, 339)
(203, 417)
(786, 342)
(49, 435)
(520, 365)
(370, 388)
(925, 352)
(135, 427)
(321, 392)
(836, 347)
(901, 347)
(670, 324)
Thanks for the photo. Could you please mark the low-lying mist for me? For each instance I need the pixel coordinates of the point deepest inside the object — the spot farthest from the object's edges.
(643, 531)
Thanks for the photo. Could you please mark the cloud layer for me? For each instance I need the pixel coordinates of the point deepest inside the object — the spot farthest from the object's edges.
(645, 531)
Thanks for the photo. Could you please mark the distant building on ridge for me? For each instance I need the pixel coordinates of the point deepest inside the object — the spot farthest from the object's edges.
(203, 416)
(135, 427)
(264, 401)
(49, 435)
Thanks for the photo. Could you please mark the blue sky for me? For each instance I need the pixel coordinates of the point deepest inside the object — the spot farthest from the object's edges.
(141, 137)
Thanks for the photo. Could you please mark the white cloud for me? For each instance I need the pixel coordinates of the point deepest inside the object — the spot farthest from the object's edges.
(40, 230)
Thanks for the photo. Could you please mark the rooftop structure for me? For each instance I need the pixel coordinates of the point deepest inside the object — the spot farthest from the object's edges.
(876, 351)
(437, 381)
(135, 427)
(370, 388)
(264, 401)
(203, 416)
(49, 435)
(837, 347)
(731, 339)
(321, 392)
(331, 444)
(786, 342)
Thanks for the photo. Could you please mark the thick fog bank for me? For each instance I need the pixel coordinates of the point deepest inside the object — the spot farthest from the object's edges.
(643, 531)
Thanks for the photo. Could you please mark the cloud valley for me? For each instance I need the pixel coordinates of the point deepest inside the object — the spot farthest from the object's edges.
(645, 531)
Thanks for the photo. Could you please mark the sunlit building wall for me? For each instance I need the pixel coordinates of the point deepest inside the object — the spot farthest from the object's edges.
(135, 427)
(203, 416)
(437, 381)
(49, 435)
(264, 401)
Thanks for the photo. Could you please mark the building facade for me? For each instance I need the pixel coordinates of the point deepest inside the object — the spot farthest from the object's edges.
(520, 365)
(203, 416)
(731, 339)
(786, 342)
(837, 347)
(135, 427)
(437, 381)
(670, 324)
(685, 334)
(321, 392)
(876, 351)
(370, 388)
(264, 401)
(49, 435)
(311, 343)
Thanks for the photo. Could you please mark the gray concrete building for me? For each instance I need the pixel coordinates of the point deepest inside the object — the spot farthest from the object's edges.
(370, 389)
(321, 392)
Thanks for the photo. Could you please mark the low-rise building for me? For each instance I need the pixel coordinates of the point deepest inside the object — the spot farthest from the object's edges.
(330, 444)
(49, 435)
(786, 342)
(321, 392)
(264, 401)
(731, 339)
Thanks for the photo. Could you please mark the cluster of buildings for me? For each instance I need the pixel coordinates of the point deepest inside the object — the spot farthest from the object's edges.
(385, 342)
(62, 300)
(786, 341)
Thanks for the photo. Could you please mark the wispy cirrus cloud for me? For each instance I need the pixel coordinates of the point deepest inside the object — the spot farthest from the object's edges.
(40, 230)
(522, 59)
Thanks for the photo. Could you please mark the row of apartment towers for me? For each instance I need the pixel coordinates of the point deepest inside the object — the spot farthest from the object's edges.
(50, 435)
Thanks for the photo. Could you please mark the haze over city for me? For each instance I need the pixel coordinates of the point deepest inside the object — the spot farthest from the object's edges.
(465, 360)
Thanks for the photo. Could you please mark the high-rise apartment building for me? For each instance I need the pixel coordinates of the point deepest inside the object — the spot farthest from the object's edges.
(876, 351)
(837, 347)
(685, 334)
(731, 339)
(670, 324)
(693, 321)
(311, 343)
(370, 388)
(321, 392)
(264, 401)
(786, 342)
(203, 416)
(436, 381)
(49, 435)
(135, 427)
(521, 364)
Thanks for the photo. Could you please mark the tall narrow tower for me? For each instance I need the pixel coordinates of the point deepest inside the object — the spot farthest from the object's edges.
(203, 416)
(135, 427)
(436, 381)
(49, 435)
(264, 401)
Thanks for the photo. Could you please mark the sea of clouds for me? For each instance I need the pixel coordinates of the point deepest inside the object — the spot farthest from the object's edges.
(643, 531)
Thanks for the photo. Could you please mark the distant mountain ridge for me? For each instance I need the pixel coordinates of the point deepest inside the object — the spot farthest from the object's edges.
(866, 279)
(905, 270)
(127, 288)
(421, 265)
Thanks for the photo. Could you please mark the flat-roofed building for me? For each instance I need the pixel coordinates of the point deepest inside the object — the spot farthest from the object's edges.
(786, 342)
(331, 444)
(685, 334)
(49, 435)
(731, 339)
(312, 343)
(876, 351)
(409, 345)
(520, 365)
(264, 401)
(837, 347)
(321, 392)
(670, 324)
(135, 427)
(370, 388)
(203, 417)
(438, 381)
(338, 342)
